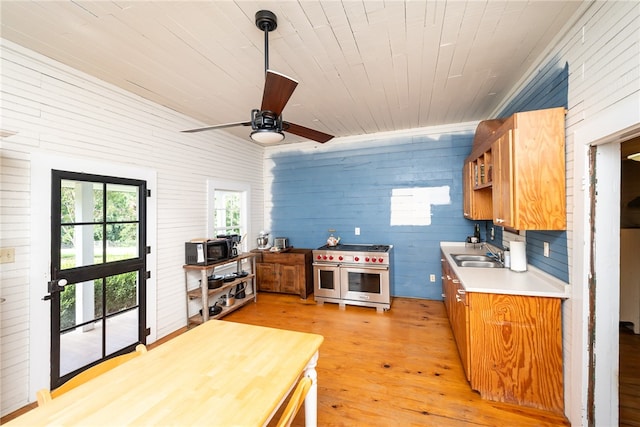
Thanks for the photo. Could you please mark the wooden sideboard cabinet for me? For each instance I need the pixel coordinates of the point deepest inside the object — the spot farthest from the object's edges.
(287, 272)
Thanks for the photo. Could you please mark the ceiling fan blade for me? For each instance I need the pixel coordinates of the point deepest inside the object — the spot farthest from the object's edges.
(305, 132)
(226, 125)
(278, 88)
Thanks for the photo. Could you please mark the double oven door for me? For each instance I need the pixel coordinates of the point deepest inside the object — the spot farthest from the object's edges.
(354, 283)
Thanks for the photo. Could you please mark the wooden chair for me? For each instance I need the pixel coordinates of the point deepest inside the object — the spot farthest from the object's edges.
(295, 402)
(44, 395)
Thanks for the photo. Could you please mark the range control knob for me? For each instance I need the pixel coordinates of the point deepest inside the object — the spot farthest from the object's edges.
(366, 259)
(324, 257)
(380, 259)
(340, 258)
(319, 256)
(330, 257)
(356, 258)
(373, 260)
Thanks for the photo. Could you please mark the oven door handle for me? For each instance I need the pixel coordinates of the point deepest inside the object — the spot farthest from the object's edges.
(325, 265)
(365, 267)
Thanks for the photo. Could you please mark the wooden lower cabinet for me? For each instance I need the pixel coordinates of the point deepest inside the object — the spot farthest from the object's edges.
(287, 272)
(515, 343)
(456, 304)
(510, 345)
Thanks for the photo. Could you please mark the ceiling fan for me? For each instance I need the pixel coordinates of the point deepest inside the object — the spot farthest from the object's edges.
(266, 123)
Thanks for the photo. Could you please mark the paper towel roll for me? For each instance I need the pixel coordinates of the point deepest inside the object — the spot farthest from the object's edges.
(518, 256)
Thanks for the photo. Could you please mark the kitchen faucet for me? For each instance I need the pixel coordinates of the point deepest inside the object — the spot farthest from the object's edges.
(498, 255)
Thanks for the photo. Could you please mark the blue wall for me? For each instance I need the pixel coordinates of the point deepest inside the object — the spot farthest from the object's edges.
(550, 89)
(347, 188)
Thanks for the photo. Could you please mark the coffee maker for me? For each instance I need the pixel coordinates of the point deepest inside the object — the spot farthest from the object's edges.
(235, 241)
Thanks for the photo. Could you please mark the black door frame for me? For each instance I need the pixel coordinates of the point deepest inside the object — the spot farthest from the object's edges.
(80, 274)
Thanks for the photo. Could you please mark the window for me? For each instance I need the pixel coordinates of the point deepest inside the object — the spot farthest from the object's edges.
(228, 208)
(226, 213)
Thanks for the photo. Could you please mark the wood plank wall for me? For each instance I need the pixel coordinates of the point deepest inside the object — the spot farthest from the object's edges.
(600, 49)
(61, 112)
(347, 185)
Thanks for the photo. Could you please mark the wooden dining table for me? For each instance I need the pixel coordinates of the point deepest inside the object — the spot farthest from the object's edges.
(220, 374)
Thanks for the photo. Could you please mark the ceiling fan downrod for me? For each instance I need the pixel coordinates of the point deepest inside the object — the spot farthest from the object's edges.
(266, 21)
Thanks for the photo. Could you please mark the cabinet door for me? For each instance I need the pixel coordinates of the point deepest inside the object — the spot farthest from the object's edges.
(267, 277)
(476, 203)
(516, 342)
(290, 279)
(502, 184)
(460, 324)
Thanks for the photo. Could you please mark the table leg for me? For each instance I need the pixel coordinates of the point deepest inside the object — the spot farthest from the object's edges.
(311, 401)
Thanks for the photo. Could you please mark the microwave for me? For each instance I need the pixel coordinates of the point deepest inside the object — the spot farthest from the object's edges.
(207, 253)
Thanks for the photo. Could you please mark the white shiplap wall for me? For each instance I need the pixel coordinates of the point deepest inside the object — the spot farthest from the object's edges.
(602, 47)
(59, 112)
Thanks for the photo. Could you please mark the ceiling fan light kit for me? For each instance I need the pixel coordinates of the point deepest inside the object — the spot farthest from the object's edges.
(267, 136)
(266, 123)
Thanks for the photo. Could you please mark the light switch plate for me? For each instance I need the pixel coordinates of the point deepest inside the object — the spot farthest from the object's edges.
(357, 231)
(546, 249)
(432, 278)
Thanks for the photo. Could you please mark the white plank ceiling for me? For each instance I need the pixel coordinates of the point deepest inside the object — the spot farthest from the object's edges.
(363, 66)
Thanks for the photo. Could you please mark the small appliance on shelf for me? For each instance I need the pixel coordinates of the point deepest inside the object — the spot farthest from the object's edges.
(281, 243)
(263, 240)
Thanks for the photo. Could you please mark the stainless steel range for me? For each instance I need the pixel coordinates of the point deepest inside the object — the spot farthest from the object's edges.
(353, 274)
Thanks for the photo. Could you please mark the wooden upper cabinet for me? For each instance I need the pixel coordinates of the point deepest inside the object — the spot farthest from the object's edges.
(503, 200)
(477, 204)
(527, 176)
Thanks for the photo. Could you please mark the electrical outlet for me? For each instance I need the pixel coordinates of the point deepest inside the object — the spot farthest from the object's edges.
(357, 231)
(546, 249)
(432, 278)
(7, 255)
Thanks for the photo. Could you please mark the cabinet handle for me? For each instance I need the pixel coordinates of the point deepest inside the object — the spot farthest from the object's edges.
(461, 291)
(444, 296)
(456, 281)
(458, 299)
(465, 214)
(499, 220)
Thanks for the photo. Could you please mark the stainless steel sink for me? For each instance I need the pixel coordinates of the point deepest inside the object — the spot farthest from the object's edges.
(470, 257)
(478, 261)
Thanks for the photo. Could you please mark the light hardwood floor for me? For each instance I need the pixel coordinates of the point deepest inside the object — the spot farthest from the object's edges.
(398, 368)
(401, 368)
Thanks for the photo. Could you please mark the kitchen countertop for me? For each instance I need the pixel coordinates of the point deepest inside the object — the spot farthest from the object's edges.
(532, 282)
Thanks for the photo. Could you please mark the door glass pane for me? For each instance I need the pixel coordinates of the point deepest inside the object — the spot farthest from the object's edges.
(81, 201)
(80, 303)
(80, 346)
(122, 241)
(122, 292)
(122, 330)
(122, 203)
(80, 245)
(81, 331)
